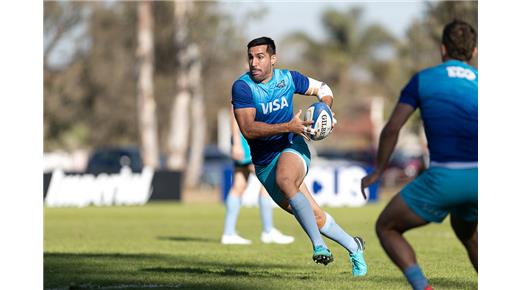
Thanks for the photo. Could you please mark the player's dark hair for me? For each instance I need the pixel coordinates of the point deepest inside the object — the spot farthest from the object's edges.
(271, 48)
(460, 39)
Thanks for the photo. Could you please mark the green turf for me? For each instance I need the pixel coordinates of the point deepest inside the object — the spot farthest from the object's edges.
(176, 246)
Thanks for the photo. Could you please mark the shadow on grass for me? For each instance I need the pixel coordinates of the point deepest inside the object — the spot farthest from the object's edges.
(114, 270)
(436, 282)
(189, 271)
(221, 272)
(189, 239)
(441, 283)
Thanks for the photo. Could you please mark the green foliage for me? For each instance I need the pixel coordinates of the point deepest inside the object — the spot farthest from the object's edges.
(96, 89)
(177, 246)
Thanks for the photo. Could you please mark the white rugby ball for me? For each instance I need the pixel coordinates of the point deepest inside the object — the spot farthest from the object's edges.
(321, 114)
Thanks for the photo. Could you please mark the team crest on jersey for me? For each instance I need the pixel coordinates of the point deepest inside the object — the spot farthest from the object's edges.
(281, 84)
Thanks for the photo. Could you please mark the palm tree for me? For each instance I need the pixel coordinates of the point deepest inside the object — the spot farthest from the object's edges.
(349, 55)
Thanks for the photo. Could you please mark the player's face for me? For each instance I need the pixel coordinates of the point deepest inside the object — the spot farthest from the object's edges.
(260, 63)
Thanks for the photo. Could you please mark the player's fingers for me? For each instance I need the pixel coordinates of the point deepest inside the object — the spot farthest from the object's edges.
(363, 185)
(363, 192)
(308, 122)
(304, 136)
(297, 115)
(309, 130)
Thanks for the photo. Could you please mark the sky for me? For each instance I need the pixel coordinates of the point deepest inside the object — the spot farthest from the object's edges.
(283, 17)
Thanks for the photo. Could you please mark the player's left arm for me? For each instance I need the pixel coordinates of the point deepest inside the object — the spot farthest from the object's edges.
(308, 86)
(321, 90)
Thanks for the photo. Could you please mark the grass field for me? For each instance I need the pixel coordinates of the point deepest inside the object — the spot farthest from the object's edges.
(176, 246)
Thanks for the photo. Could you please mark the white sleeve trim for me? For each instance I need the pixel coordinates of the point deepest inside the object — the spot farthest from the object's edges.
(324, 91)
(319, 89)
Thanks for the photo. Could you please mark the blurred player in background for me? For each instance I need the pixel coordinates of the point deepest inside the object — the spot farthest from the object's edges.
(446, 95)
(262, 102)
(241, 155)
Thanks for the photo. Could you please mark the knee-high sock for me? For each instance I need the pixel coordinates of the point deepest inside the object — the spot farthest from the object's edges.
(266, 212)
(303, 212)
(232, 210)
(415, 277)
(334, 232)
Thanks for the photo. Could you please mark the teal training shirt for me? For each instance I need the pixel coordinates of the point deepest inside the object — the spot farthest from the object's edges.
(273, 104)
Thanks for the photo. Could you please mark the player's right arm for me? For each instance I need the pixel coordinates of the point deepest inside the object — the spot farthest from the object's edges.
(245, 113)
(407, 104)
(252, 129)
(237, 152)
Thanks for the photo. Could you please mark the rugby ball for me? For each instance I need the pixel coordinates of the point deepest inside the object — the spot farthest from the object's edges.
(321, 114)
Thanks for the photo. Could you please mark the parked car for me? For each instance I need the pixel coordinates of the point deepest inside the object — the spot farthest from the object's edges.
(112, 159)
(215, 162)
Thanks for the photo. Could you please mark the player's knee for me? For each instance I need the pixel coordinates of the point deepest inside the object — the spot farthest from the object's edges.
(239, 187)
(285, 184)
(234, 191)
(381, 226)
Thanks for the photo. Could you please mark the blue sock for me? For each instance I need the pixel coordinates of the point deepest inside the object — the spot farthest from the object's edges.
(416, 277)
(334, 232)
(232, 210)
(266, 212)
(302, 210)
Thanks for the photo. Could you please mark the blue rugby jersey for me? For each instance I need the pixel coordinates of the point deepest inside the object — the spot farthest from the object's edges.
(273, 104)
(447, 96)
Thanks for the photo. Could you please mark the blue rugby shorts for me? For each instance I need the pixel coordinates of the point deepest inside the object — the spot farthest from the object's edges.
(267, 174)
(439, 191)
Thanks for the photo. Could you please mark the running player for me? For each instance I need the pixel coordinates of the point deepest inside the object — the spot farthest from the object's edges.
(262, 102)
(446, 95)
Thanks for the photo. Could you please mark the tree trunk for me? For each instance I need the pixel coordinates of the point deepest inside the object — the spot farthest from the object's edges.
(179, 121)
(145, 90)
(198, 118)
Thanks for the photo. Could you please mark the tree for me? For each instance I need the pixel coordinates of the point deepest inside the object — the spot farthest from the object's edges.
(351, 61)
(64, 94)
(60, 18)
(189, 98)
(179, 124)
(348, 56)
(91, 100)
(145, 96)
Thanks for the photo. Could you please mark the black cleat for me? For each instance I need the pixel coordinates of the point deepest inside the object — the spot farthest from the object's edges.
(322, 255)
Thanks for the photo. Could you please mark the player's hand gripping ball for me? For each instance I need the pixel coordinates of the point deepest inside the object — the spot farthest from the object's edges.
(323, 119)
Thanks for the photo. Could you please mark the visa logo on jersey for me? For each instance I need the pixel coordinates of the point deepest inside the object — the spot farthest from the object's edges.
(278, 104)
(460, 72)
